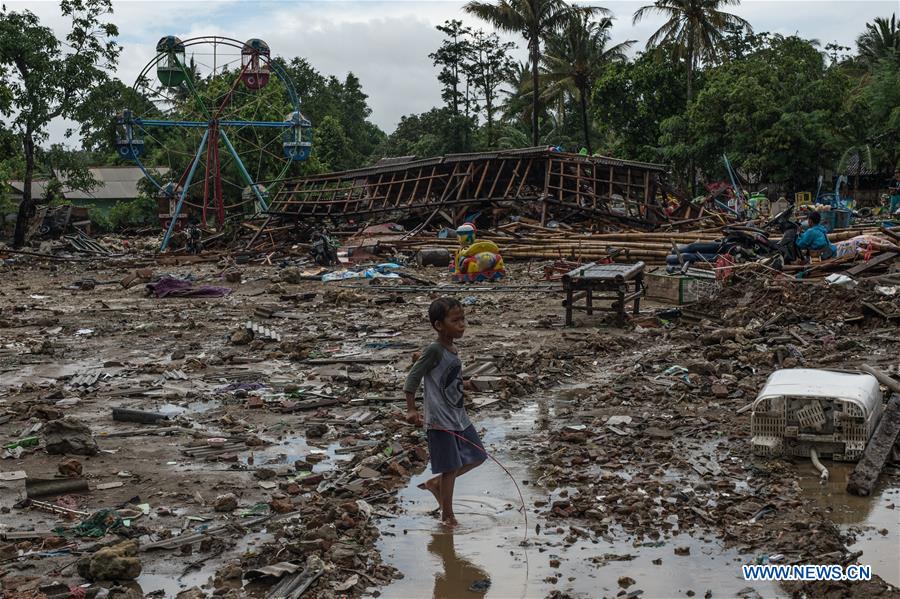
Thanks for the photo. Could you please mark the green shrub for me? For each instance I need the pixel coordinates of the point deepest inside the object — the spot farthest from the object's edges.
(99, 221)
(135, 213)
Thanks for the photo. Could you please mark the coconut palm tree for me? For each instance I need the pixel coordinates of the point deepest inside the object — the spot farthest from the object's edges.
(695, 28)
(516, 134)
(574, 58)
(534, 20)
(880, 40)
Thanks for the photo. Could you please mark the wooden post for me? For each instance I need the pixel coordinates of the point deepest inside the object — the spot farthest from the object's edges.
(879, 449)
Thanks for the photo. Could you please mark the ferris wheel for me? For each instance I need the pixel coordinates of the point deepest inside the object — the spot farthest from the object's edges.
(215, 126)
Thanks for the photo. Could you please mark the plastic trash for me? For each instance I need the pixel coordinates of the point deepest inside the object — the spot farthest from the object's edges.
(340, 275)
(676, 369)
(839, 280)
(26, 442)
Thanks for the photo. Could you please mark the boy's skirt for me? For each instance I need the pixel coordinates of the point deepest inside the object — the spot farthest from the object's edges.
(449, 453)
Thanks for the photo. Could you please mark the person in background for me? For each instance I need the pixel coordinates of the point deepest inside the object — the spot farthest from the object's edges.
(816, 237)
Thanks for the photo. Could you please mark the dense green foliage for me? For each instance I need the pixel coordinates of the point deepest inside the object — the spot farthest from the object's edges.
(781, 108)
(43, 78)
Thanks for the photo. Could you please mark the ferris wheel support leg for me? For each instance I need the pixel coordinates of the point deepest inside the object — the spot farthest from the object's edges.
(184, 190)
(244, 172)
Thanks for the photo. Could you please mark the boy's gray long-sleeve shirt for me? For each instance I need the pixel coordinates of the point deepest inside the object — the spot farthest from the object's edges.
(442, 371)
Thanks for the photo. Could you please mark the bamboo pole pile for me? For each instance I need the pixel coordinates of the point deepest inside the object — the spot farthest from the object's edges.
(530, 241)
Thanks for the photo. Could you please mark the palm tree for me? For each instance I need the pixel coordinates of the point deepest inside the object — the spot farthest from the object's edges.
(518, 93)
(534, 20)
(695, 28)
(516, 134)
(880, 40)
(574, 59)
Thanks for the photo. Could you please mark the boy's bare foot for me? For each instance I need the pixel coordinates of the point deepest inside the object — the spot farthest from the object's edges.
(433, 485)
(449, 520)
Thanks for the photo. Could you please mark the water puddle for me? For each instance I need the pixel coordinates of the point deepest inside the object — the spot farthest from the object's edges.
(487, 545)
(875, 522)
(287, 452)
(194, 407)
(172, 577)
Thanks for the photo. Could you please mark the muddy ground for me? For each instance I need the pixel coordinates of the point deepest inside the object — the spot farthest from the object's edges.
(633, 464)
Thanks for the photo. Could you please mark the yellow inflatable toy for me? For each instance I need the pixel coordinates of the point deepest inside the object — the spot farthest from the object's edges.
(476, 261)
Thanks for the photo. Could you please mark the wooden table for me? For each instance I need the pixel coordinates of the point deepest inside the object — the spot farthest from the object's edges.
(612, 281)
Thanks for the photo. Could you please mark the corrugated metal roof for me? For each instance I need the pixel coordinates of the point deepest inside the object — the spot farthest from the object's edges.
(116, 183)
(388, 160)
(536, 152)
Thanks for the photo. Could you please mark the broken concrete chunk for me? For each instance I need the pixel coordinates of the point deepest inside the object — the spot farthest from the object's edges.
(281, 505)
(292, 275)
(720, 391)
(366, 472)
(69, 435)
(70, 468)
(112, 563)
(485, 383)
(241, 336)
(226, 503)
(316, 430)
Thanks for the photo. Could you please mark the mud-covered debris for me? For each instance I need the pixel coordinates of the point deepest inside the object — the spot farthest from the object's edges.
(70, 468)
(68, 435)
(226, 503)
(625, 581)
(241, 336)
(292, 275)
(281, 505)
(118, 562)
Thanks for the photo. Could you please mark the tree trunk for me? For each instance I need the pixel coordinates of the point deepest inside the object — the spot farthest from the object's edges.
(489, 108)
(535, 58)
(584, 122)
(26, 208)
(690, 96)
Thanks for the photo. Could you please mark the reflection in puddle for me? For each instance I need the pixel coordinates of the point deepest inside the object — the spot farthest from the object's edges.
(487, 544)
(458, 574)
(289, 451)
(868, 517)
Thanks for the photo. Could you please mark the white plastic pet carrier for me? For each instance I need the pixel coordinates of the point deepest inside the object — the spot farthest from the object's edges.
(832, 412)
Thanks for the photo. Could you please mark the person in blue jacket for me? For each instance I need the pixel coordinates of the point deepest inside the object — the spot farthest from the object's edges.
(816, 237)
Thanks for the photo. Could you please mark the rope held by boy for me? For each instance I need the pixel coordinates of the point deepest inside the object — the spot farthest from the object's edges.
(511, 477)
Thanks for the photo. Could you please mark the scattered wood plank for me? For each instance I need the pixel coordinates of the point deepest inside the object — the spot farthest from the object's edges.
(882, 377)
(881, 258)
(865, 475)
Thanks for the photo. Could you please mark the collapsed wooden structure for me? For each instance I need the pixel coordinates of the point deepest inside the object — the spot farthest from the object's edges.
(534, 181)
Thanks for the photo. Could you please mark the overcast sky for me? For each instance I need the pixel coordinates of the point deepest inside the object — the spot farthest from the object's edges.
(386, 44)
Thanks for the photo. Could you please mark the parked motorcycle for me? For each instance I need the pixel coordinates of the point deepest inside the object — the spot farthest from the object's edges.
(744, 243)
(323, 250)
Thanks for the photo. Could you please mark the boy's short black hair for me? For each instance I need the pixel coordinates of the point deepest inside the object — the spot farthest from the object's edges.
(440, 308)
(815, 218)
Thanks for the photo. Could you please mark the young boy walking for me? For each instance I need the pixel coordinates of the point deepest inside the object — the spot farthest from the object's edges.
(453, 444)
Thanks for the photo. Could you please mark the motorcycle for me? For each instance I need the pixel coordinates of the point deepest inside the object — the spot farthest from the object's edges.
(323, 250)
(744, 243)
